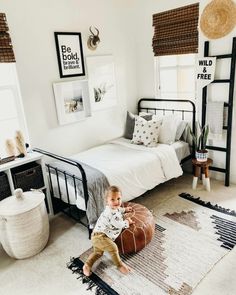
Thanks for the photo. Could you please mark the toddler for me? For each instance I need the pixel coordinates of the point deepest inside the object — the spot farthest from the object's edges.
(108, 227)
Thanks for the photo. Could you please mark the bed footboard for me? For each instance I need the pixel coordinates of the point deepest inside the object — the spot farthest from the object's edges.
(59, 178)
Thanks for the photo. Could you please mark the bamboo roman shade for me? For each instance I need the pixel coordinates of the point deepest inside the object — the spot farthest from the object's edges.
(176, 31)
(6, 49)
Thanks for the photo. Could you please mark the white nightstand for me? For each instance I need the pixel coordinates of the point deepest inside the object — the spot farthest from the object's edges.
(20, 164)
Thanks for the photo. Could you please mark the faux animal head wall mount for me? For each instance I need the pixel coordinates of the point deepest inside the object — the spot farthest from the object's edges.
(93, 39)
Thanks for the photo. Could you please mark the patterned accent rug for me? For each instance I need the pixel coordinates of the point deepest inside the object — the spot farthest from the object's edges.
(191, 236)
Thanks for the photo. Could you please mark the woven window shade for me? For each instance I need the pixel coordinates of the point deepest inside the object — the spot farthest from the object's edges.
(6, 49)
(176, 31)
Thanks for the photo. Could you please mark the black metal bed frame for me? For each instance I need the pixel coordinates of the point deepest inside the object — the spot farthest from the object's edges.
(172, 111)
(58, 204)
(71, 210)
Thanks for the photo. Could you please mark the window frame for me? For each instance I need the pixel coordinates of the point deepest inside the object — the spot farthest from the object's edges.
(13, 86)
(157, 76)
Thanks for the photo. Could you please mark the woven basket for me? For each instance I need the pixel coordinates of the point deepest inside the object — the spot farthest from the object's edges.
(24, 226)
(5, 190)
(28, 176)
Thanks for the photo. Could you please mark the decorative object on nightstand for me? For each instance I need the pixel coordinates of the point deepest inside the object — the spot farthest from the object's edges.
(24, 224)
(202, 168)
(10, 147)
(7, 159)
(200, 141)
(20, 143)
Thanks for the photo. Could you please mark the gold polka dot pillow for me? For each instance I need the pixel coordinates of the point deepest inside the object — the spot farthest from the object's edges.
(146, 132)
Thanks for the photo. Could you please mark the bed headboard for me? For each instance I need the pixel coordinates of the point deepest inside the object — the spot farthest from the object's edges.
(168, 106)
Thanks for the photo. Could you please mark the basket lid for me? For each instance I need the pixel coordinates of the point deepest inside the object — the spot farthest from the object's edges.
(21, 202)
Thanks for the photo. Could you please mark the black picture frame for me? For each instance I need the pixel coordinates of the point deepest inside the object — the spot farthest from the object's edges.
(69, 54)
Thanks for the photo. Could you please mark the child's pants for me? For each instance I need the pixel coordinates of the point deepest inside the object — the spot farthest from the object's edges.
(102, 243)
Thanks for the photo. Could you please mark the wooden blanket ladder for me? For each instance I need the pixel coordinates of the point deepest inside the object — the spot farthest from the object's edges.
(228, 104)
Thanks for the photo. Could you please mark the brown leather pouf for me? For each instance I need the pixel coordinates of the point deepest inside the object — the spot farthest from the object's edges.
(138, 235)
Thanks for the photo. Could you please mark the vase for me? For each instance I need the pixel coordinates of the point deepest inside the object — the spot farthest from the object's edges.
(201, 156)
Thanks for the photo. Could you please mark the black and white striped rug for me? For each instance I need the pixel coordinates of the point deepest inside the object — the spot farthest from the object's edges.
(191, 236)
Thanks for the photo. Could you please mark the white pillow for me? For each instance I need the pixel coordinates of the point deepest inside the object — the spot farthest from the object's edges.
(186, 136)
(168, 129)
(180, 129)
(146, 132)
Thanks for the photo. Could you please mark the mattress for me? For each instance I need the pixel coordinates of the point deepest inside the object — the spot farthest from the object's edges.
(131, 167)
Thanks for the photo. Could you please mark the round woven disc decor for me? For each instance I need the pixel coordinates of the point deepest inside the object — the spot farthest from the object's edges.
(218, 18)
(138, 235)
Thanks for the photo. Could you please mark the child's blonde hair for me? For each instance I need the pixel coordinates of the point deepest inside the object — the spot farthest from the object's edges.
(113, 189)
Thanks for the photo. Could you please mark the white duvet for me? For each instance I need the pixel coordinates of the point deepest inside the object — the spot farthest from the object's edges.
(134, 168)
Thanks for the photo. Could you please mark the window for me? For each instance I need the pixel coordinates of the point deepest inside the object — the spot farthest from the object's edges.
(175, 76)
(11, 109)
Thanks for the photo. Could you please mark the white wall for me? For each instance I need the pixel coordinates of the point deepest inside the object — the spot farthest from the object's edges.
(32, 24)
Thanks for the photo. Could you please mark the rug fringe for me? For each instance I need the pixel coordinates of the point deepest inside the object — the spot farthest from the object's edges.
(216, 207)
(78, 269)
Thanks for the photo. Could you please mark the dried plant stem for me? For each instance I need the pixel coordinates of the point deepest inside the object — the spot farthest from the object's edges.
(10, 147)
(20, 143)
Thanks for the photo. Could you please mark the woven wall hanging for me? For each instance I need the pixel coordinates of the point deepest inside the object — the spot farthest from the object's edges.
(218, 18)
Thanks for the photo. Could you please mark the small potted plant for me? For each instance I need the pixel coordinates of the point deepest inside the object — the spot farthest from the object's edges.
(200, 141)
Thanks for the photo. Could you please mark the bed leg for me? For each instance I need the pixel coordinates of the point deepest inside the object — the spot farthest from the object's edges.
(90, 230)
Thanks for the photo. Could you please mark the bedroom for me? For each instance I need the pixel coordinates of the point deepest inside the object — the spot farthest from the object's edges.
(125, 30)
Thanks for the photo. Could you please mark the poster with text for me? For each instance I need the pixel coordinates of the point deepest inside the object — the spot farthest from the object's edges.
(205, 70)
(69, 54)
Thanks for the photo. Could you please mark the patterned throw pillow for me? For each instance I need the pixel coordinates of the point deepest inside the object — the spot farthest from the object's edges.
(130, 121)
(146, 132)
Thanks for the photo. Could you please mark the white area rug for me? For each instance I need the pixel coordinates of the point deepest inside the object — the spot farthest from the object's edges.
(190, 238)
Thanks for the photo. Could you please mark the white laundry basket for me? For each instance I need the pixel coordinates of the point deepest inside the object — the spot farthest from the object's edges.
(24, 225)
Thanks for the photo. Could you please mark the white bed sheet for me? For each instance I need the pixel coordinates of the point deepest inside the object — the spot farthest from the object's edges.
(134, 168)
(182, 149)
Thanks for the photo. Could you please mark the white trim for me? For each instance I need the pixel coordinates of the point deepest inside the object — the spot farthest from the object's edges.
(157, 78)
(14, 88)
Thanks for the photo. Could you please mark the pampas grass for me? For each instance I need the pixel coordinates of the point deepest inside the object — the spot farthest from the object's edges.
(10, 147)
(20, 143)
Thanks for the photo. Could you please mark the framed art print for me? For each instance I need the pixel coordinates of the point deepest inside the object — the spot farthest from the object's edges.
(102, 83)
(72, 101)
(69, 54)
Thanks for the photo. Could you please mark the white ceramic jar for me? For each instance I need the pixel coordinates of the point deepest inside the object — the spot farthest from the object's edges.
(24, 225)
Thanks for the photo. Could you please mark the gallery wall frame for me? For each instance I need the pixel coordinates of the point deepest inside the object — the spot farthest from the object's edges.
(69, 54)
(102, 82)
(72, 101)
